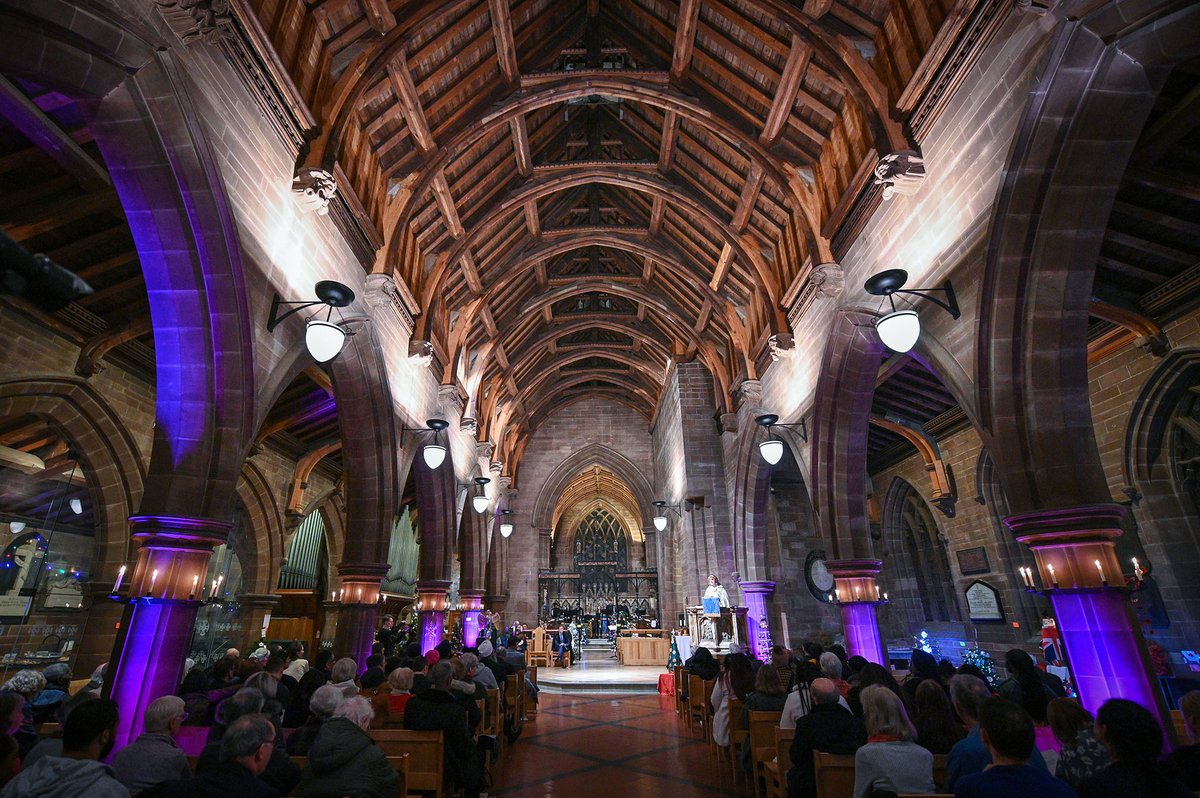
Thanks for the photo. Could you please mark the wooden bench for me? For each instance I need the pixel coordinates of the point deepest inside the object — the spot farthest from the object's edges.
(761, 737)
(834, 775)
(941, 763)
(697, 703)
(1181, 729)
(396, 763)
(426, 758)
(777, 770)
(737, 735)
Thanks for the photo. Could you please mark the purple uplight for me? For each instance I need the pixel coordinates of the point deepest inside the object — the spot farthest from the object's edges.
(862, 632)
(756, 595)
(470, 620)
(431, 629)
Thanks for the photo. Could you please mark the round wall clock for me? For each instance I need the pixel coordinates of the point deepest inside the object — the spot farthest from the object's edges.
(820, 581)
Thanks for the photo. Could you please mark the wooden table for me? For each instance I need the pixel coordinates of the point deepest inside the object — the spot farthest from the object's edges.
(648, 647)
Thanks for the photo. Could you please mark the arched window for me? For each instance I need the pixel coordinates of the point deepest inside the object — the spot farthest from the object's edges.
(911, 535)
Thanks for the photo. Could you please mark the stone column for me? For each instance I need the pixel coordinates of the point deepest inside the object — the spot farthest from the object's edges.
(1077, 560)
(328, 630)
(472, 607)
(756, 595)
(431, 609)
(257, 609)
(100, 628)
(159, 615)
(359, 598)
(856, 586)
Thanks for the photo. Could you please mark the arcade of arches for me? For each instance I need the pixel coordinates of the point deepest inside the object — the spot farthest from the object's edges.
(600, 239)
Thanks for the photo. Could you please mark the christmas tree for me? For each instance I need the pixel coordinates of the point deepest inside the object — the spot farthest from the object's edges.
(673, 659)
(983, 660)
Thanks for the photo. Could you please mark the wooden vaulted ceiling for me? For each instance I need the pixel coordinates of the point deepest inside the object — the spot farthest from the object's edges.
(576, 193)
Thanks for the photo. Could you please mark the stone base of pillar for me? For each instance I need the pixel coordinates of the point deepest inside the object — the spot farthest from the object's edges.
(355, 633)
(256, 612)
(148, 658)
(756, 595)
(857, 589)
(431, 611)
(472, 604)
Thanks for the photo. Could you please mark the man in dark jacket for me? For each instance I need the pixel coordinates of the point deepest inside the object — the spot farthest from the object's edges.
(829, 728)
(280, 772)
(246, 750)
(295, 714)
(344, 760)
(437, 709)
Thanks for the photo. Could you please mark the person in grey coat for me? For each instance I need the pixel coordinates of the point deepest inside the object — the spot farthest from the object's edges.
(154, 757)
(87, 738)
(344, 760)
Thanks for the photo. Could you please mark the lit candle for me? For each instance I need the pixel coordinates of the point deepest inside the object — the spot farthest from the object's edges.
(1103, 578)
(153, 579)
(885, 598)
(876, 591)
(358, 596)
(120, 576)
(212, 591)
(837, 594)
(220, 581)
(1137, 570)
(1053, 578)
(195, 584)
(857, 593)
(340, 592)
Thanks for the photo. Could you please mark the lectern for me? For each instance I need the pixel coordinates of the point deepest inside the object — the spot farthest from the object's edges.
(716, 630)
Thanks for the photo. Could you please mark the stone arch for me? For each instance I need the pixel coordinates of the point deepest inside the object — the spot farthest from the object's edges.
(592, 454)
(991, 495)
(916, 547)
(1168, 517)
(264, 530)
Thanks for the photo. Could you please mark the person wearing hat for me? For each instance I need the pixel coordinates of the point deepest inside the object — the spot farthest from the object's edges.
(58, 688)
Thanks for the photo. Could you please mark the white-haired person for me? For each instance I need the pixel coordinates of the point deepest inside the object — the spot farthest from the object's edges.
(891, 760)
(325, 700)
(344, 676)
(154, 757)
(344, 760)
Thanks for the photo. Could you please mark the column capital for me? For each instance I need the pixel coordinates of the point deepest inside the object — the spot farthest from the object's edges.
(758, 588)
(855, 581)
(179, 530)
(362, 571)
(259, 601)
(853, 568)
(1067, 524)
(748, 393)
(1074, 546)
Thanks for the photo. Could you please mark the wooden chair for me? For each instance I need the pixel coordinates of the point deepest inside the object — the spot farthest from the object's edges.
(834, 775)
(538, 652)
(425, 756)
(530, 704)
(941, 762)
(761, 731)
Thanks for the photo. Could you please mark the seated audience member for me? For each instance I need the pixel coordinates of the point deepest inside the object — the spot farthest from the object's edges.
(88, 738)
(870, 674)
(476, 672)
(223, 673)
(891, 760)
(1185, 760)
(344, 760)
(12, 712)
(923, 667)
(1134, 740)
(321, 706)
(281, 774)
(500, 668)
(831, 669)
(829, 728)
(292, 675)
(297, 712)
(937, 729)
(735, 681)
(799, 701)
(436, 709)
(342, 675)
(768, 696)
(27, 684)
(1082, 755)
(1007, 731)
(374, 672)
(400, 682)
(52, 746)
(195, 694)
(269, 686)
(154, 757)
(275, 667)
(781, 661)
(969, 755)
(56, 690)
(703, 664)
(245, 754)
(10, 760)
(1025, 685)
(467, 692)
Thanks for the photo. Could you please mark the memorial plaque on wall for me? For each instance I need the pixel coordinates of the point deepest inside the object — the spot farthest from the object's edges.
(983, 602)
(973, 561)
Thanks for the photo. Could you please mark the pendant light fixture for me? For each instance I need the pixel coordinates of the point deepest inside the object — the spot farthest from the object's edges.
(323, 339)
(17, 527)
(432, 453)
(772, 448)
(480, 501)
(660, 517)
(900, 329)
(506, 527)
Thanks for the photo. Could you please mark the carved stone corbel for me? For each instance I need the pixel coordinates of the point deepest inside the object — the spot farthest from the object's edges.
(315, 189)
(900, 173)
(1035, 7)
(828, 280)
(748, 392)
(192, 20)
(420, 353)
(783, 346)
(484, 449)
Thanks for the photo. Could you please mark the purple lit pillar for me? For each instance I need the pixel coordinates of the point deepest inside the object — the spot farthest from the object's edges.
(756, 595)
(472, 610)
(856, 586)
(1077, 561)
(157, 623)
(359, 596)
(431, 608)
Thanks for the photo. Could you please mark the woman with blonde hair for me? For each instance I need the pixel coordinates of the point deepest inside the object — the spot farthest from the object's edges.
(891, 760)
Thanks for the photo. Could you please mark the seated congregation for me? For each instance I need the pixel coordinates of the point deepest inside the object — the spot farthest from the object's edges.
(272, 725)
(814, 723)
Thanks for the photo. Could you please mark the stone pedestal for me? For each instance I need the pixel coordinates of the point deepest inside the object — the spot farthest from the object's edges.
(756, 595)
(472, 608)
(359, 598)
(431, 610)
(1077, 562)
(855, 584)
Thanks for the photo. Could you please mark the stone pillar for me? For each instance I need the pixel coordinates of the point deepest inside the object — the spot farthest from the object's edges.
(100, 628)
(257, 609)
(497, 603)
(431, 609)
(856, 587)
(159, 615)
(472, 608)
(756, 595)
(328, 630)
(1105, 648)
(359, 598)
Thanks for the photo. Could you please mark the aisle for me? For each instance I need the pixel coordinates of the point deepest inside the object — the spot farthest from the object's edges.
(581, 746)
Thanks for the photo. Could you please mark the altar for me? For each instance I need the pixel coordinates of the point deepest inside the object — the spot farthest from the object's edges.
(643, 646)
(718, 631)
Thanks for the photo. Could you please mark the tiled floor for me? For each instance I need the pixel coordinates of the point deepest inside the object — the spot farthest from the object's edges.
(592, 746)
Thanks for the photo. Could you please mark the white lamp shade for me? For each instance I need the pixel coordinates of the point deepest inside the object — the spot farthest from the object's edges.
(77, 506)
(434, 454)
(506, 529)
(17, 527)
(324, 339)
(480, 503)
(660, 522)
(899, 329)
(771, 450)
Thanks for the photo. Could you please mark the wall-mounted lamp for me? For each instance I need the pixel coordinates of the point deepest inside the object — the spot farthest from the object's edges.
(900, 329)
(434, 454)
(480, 501)
(506, 527)
(17, 527)
(323, 338)
(76, 506)
(660, 518)
(772, 448)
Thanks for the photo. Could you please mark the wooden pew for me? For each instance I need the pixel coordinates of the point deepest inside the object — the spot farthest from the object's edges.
(941, 762)
(530, 704)
(737, 735)
(425, 756)
(761, 732)
(777, 771)
(680, 689)
(1181, 730)
(835, 775)
(396, 763)
(697, 705)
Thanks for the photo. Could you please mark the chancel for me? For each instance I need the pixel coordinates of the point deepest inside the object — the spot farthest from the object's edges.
(736, 397)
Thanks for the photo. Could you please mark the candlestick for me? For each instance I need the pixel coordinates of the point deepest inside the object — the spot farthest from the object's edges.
(195, 584)
(220, 581)
(837, 594)
(212, 591)
(1137, 570)
(120, 576)
(1103, 578)
(857, 594)
(1053, 578)
(885, 598)
(153, 579)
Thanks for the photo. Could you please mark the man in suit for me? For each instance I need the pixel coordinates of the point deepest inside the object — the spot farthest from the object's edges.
(562, 643)
(828, 728)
